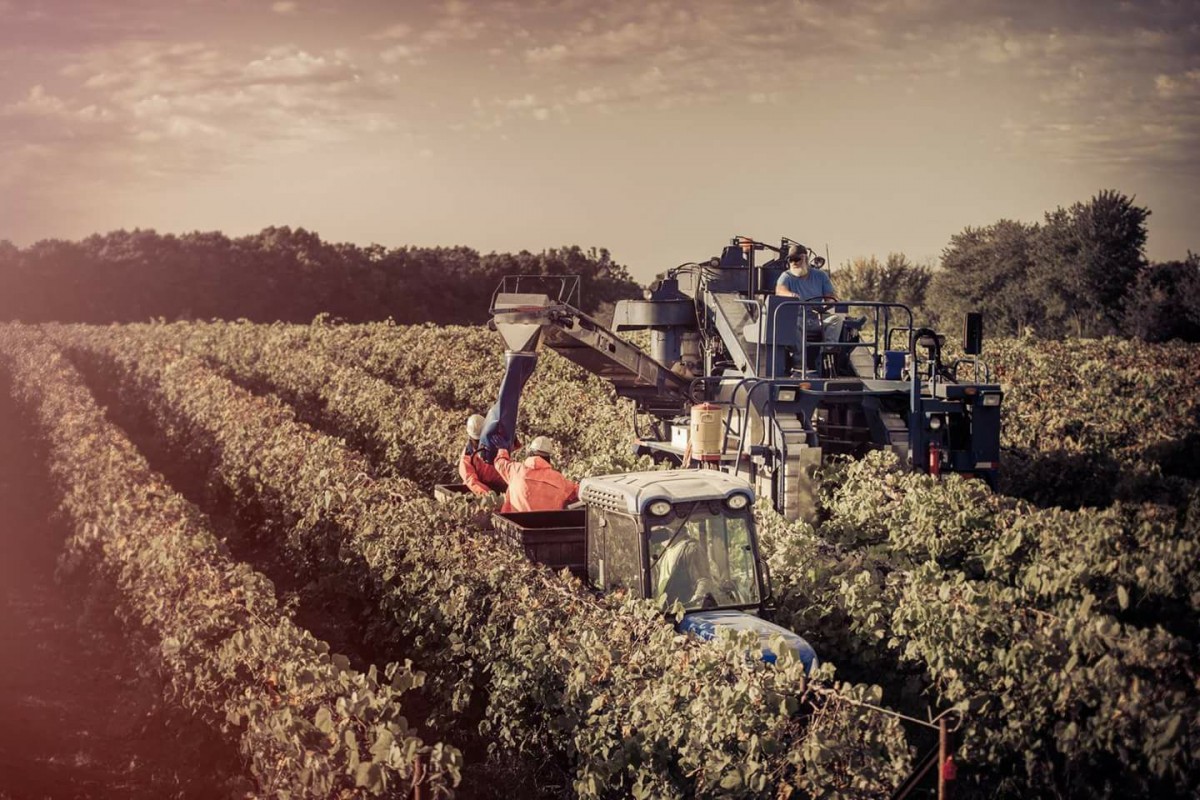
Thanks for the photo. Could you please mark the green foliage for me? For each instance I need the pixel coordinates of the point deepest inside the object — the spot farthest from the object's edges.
(308, 725)
(543, 670)
(1043, 621)
(1089, 422)
(400, 428)
(895, 280)
(1165, 302)
(1075, 274)
(1066, 637)
(277, 274)
(1066, 699)
(401, 395)
(1089, 256)
(991, 270)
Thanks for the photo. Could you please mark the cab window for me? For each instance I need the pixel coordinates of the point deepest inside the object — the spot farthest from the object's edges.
(621, 549)
(703, 559)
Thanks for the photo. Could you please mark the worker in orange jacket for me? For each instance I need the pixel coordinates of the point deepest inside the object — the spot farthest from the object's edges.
(479, 476)
(534, 484)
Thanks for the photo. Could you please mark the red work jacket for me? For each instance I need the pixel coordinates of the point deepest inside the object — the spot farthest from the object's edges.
(534, 485)
(479, 476)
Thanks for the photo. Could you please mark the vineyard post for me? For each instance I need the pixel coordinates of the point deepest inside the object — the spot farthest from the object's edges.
(943, 747)
(418, 778)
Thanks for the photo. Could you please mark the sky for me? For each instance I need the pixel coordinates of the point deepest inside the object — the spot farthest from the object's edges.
(658, 130)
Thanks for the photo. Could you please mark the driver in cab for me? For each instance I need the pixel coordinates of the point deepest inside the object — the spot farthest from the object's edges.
(682, 570)
(802, 282)
(680, 567)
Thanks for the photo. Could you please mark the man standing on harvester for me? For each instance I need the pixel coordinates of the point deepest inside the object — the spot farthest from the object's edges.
(479, 476)
(534, 484)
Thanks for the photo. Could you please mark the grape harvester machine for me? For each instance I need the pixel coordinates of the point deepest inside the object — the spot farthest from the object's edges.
(794, 381)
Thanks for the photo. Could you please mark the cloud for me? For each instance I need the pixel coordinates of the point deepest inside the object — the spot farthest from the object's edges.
(1082, 80)
(1118, 115)
(452, 30)
(526, 101)
(765, 98)
(1074, 85)
(400, 52)
(155, 110)
(1178, 87)
(592, 95)
(618, 43)
(666, 55)
(998, 49)
(417, 42)
(37, 103)
(546, 55)
(397, 30)
(284, 65)
(49, 120)
(1112, 96)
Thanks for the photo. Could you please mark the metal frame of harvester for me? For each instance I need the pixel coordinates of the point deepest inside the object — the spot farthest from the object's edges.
(792, 382)
(795, 381)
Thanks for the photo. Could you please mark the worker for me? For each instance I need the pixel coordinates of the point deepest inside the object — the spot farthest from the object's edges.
(534, 484)
(804, 283)
(479, 476)
(681, 571)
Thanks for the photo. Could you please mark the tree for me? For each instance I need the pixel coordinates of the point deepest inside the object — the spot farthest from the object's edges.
(1089, 257)
(896, 280)
(280, 273)
(988, 270)
(1165, 302)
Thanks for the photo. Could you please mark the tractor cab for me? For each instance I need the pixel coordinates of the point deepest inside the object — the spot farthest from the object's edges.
(687, 537)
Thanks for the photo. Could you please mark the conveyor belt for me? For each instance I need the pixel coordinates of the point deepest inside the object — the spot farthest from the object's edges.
(523, 320)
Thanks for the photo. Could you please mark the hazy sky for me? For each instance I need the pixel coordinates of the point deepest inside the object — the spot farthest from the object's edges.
(656, 129)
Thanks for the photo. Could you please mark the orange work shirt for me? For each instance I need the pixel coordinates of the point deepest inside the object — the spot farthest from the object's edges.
(479, 476)
(534, 485)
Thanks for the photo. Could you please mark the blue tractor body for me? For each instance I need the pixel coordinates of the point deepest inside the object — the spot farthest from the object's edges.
(705, 624)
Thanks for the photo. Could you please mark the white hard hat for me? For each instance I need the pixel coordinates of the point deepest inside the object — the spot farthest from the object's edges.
(475, 424)
(543, 445)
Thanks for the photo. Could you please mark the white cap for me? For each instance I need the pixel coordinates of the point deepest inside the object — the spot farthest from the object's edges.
(475, 424)
(543, 445)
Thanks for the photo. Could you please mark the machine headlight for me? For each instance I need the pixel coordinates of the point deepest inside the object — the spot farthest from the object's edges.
(991, 399)
(660, 508)
(786, 396)
(935, 423)
(737, 501)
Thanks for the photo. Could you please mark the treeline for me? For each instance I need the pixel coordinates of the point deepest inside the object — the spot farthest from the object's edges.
(277, 274)
(1081, 272)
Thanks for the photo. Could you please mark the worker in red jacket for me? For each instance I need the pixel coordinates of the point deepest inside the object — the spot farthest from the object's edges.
(534, 484)
(479, 476)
